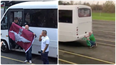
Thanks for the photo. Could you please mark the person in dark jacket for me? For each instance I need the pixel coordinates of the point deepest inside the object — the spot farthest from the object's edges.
(15, 21)
(13, 44)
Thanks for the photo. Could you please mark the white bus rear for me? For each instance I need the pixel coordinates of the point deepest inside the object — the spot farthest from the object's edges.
(74, 22)
(39, 16)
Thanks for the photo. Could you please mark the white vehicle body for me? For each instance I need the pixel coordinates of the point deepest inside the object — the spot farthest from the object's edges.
(2, 11)
(78, 25)
(19, 10)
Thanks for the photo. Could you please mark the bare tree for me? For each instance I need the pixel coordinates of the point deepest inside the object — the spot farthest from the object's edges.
(109, 6)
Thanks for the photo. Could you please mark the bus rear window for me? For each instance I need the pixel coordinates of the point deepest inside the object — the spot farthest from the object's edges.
(84, 12)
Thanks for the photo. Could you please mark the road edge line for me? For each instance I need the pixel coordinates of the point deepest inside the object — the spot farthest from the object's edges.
(13, 59)
(66, 61)
(87, 57)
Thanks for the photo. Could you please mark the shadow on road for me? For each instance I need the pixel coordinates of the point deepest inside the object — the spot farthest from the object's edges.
(79, 43)
(35, 58)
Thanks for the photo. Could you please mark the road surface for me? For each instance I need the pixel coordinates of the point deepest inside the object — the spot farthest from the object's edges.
(14, 57)
(79, 53)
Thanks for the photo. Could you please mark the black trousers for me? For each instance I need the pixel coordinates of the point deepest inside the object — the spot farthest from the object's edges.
(13, 44)
(44, 57)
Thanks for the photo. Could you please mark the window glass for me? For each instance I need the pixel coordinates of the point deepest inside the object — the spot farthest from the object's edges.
(41, 18)
(13, 14)
(65, 16)
(84, 12)
(4, 23)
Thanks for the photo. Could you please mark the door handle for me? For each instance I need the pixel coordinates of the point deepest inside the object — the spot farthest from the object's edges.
(6, 35)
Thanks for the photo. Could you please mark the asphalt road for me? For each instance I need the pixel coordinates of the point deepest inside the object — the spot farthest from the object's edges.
(79, 53)
(14, 57)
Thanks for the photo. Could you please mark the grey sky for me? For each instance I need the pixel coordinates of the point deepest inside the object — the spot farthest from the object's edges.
(90, 1)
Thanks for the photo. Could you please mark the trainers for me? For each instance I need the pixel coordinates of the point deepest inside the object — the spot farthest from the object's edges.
(30, 61)
(25, 61)
(91, 46)
(96, 44)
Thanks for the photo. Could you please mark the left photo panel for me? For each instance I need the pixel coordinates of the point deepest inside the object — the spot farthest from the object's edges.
(29, 32)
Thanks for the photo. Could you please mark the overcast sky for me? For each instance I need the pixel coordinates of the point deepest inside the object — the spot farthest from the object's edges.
(90, 1)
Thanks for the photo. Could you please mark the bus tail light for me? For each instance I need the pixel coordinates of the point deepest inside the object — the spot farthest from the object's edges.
(77, 29)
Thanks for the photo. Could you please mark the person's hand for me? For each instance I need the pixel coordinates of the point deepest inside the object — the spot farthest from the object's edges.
(85, 36)
(43, 51)
(34, 35)
(88, 39)
(40, 36)
(1, 43)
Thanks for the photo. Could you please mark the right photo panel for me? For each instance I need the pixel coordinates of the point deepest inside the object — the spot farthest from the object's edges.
(86, 32)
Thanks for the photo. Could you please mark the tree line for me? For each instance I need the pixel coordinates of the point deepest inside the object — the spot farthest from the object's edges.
(107, 7)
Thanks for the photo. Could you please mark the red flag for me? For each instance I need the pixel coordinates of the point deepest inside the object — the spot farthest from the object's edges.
(21, 36)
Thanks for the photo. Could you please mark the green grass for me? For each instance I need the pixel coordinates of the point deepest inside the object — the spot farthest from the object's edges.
(103, 16)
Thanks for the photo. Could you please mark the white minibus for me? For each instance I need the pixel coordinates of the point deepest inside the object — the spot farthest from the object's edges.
(75, 21)
(39, 16)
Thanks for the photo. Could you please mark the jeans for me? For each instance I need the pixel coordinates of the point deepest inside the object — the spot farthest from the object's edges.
(92, 43)
(28, 54)
(44, 57)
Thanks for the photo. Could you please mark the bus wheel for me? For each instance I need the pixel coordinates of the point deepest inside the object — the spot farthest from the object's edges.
(4, 47)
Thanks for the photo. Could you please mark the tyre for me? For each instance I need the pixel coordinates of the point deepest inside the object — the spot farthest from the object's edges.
(4, 47)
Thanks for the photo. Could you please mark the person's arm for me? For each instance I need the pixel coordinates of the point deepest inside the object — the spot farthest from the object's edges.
(45, 48)
(34, 34)
(47, 44)
(40, 38)
(1, 43)
(87, 36)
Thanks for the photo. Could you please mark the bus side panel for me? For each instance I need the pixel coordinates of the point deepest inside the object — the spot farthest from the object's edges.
(3, 36)
(84, 25)
(52, 34)
(52, 50)
(66, 32)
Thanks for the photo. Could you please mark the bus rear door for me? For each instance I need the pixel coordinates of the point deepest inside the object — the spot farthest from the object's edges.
(84, 21)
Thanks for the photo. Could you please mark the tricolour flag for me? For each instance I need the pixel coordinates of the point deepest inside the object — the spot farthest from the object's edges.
(21, 36)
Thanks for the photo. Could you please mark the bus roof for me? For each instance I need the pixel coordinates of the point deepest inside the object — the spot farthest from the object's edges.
(34, 5)
(72, 6)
